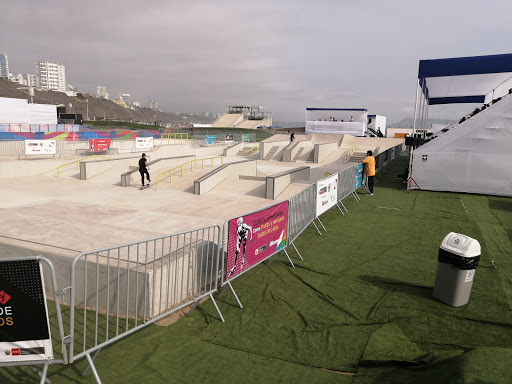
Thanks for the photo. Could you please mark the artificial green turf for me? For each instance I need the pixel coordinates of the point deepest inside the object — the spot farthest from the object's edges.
(360, 302)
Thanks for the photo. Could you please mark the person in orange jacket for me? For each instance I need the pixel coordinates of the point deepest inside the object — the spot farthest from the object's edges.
(369, 171)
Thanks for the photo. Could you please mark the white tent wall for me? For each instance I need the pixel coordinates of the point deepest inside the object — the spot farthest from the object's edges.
(14, 111)
(500, 91)
(473, 157)
(42, 113)
(336, 120)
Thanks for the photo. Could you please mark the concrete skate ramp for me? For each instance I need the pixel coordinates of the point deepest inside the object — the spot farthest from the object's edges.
(277, 183)
(227, 120)
(227, 171)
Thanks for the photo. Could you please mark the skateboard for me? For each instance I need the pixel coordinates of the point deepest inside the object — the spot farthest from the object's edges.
(144, 186)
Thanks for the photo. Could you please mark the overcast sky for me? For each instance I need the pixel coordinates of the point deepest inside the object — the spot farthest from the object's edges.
(283, 55)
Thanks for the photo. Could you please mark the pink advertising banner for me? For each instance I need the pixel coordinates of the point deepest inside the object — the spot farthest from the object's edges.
(254, 237)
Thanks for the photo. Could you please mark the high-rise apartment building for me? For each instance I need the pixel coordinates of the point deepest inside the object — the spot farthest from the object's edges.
(153, 104)
(101, 92)
(4, 66)
(51, 76)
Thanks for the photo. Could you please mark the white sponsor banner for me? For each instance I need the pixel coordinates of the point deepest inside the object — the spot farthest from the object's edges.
(40, 147)
(143, 142)
(326, 194)
(24, 325)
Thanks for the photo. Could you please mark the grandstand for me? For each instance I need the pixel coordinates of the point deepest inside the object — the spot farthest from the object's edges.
(473, 154)
(243, 117)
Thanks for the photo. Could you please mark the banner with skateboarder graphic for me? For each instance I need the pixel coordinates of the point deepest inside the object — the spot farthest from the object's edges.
(254, 237)
(24, 325)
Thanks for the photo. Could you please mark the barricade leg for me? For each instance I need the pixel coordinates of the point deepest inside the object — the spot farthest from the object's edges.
(234, 294)
(321, 223)
(345, 208)
(42, 374)
(92, 367)
(286, 253)
(317, 229)
(343, 213)
(296, 250)
(355, 196)
(217, 308)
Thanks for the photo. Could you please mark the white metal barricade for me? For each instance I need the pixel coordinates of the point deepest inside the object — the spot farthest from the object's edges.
(118, 290)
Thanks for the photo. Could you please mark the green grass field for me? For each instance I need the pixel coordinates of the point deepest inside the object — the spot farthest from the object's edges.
(357, 310)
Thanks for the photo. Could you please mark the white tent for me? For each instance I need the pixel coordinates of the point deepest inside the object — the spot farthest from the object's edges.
(343, 121)
(472, 156)
(19, 111)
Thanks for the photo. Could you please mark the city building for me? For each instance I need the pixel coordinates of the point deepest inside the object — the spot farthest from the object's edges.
(153, 104)
(23, 79)
(51, 76)
(136, 104)
(124, 97)
(4, 66)
(101, 92)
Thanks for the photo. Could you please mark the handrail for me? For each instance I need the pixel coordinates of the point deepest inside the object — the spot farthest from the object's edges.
(191, 162)
(351, 150)
(247, 153)
(77, 161)
(169, 136)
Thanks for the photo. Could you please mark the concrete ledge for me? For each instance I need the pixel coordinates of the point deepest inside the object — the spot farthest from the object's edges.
(277, 183)
(156, 165)
(324, 150)
(227, 171)
(233, 150)
(91, 168)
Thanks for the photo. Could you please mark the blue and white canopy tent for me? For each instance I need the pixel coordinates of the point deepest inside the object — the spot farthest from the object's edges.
(474, 155)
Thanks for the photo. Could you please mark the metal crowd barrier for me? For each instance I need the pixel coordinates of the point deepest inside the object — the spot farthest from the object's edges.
(118, 290)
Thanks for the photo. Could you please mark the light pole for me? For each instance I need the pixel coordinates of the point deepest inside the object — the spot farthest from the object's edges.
(87, 101)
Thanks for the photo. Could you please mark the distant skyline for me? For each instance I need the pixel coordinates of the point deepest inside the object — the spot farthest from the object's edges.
(282, 55)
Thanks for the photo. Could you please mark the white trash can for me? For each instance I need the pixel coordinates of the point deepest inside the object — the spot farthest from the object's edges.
(457, 261)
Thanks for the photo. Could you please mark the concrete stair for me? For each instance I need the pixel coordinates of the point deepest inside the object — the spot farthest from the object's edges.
(271, 153)
(311, 157)
(297, 155)
(242, 151)
(356, 157)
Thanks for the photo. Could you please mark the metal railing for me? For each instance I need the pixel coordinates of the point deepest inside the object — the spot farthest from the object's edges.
(301, 212)
(78, 161)
(180, 167)
(180, 137)
(349, 153)
(250, 151)
(118, 290)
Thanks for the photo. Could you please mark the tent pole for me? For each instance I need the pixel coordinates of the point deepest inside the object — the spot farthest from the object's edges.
(413, 131)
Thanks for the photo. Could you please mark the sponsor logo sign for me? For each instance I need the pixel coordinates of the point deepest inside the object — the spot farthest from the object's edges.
(253, 238)
(97, 145)
(40, 147)
(245, 138)
(359, 176)
(24, 325)
(143, 142)
(229, 139)
(210, 139)
(327, 194)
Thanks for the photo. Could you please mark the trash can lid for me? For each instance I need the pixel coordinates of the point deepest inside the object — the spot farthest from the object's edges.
(461, 245)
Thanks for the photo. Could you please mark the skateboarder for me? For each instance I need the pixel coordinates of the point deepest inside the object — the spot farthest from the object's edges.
(241, 239)
(143, 169)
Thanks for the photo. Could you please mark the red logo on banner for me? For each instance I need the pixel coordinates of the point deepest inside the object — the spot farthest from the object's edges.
(16, 352)
(4, 297)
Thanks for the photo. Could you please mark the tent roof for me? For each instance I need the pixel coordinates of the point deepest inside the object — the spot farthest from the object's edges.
(463, 79)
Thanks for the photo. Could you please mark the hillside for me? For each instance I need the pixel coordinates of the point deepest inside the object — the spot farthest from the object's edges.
(99, 109)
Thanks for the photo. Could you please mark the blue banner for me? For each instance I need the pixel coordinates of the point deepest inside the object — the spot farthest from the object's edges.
(209, 139)
(359, 176)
